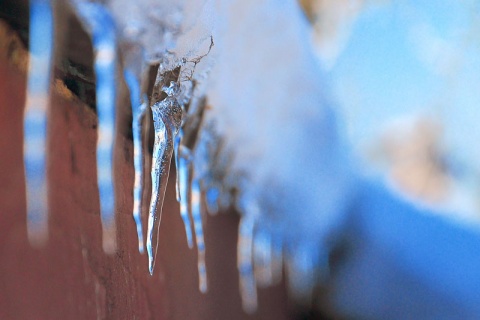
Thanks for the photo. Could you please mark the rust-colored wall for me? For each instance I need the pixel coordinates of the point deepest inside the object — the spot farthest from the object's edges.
(71, 277)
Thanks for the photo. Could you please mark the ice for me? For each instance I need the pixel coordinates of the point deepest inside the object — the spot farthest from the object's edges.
(306, 269)
(139, 107)
(248, 290)
(184, 172)
(267, 109)
(176, 145)
(262, 255)
(197, 223)
(212, 199)
(98, 21)
(167, 115)
(271, 109)
(153, 25)
(189, 182)
(172, 90)
(36, 118)
(266, 145)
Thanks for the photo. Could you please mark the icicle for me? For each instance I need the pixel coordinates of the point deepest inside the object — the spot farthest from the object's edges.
(197, 223)
(167, 115)
(277, 261)
(138, 111)
(304, 267)
(212, 199)
(262, 255)
(101, 26)
(35, 121)
(225, 198)
(176, 146)
(248, 289)
(172, 90)
(184, 173)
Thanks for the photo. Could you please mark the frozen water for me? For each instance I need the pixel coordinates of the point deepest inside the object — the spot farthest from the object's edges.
(167, 119)
(138, 111)
(184, 172)
(98, 21)
(268, 109)
(198, 227)
(36, 116)
(262, 255)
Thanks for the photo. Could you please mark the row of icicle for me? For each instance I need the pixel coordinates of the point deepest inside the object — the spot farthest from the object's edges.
(168, 116)
(200, 166)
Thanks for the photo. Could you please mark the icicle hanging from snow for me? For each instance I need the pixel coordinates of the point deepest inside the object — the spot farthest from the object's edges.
(197, 223)
(184, 173)
(212, 199)
(98, 21)
(306, 268)
(263, 114)
(139, 107)
(262, 256)
(35, 120)
(277, 261)
(176, 146)
(248, 289)
(167, 115)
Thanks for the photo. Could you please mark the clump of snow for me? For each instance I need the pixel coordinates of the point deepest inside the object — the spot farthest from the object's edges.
(270, 105)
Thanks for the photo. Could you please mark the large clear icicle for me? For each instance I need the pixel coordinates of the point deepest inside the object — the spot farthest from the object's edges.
(100, 24)
(248, 291)
(167, 115)
(197, 223)
(35, 121)
(139, 107)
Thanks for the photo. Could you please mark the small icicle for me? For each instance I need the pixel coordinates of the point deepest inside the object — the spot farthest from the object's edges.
(184, 172)
(262, 255)
(176, 146)
(197, 223)
(303, 269)
(277, 261)
(248, 290)
(138, 111)
(101, 26)
(167, 115)
(35, 122)
(211, 197)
